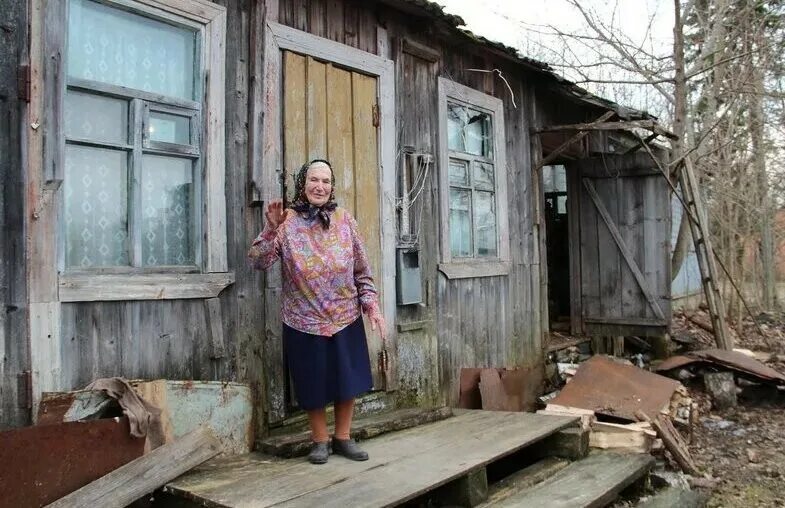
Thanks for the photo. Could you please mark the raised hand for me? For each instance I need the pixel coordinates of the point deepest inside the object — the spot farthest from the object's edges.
(275, 214)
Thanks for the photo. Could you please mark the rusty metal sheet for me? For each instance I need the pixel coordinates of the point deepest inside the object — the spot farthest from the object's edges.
(614, 389)
(732, 360)
(41, 464)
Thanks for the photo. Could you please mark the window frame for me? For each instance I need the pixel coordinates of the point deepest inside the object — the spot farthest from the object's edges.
(464, 267)
(208, 136)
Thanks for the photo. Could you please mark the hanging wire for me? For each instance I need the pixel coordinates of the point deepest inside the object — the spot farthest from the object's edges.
(499, 73)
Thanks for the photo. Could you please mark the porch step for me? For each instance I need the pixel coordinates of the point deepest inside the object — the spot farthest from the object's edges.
(587, 483)
(298, 444)
(403, 465)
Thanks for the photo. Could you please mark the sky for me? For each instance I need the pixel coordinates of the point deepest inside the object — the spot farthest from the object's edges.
(525, 25)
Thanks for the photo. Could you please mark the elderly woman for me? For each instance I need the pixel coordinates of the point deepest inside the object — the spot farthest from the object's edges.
(326, 284)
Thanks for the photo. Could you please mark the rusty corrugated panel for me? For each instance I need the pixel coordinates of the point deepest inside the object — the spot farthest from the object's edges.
(41, 464)
(732, 360)
(614, 389)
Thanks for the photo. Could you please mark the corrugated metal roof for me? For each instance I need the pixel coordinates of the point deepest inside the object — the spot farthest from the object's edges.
(435, 11)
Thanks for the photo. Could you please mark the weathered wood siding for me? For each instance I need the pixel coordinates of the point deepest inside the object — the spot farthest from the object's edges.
(14, 352)
(486, 321)
(173, 338)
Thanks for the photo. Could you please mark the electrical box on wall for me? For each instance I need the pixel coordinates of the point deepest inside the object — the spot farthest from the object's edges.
(408, 281)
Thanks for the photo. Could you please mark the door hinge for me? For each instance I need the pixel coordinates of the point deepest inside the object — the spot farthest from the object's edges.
(23, 82)
(24, 389)
(376, 115)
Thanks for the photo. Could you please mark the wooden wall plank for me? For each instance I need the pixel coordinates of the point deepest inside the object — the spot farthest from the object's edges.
(294, 117)
(367, 180)
(317, 24)
(340, 135)
(608, 252)
(334, 20)
(630, 219)
(14, 344)
(316, 109)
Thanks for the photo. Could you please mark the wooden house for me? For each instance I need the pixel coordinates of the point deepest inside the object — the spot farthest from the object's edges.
(141, 138)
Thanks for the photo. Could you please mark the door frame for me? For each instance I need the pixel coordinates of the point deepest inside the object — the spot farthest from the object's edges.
(280, 38)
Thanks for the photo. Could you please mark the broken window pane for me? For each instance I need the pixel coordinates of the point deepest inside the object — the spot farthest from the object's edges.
(469, 130)
(485, 223)
(460, 223)
(483, 176)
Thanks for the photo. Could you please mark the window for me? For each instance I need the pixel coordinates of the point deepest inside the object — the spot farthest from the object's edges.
(474, 172)
(135, 163)
(142, 159)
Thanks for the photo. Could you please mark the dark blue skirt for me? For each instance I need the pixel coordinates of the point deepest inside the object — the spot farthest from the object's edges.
(327, 369)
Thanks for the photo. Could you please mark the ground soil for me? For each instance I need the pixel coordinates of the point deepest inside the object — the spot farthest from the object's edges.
(742, 449)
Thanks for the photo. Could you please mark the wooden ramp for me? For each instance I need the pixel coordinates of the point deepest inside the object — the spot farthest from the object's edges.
(587, 483)
(403, 465)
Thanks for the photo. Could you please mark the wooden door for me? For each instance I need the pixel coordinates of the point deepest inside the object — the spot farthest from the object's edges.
(619, 212)
(331, 113)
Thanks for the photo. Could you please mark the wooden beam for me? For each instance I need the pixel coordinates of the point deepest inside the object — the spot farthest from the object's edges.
(128, 483)
(650, 125)
(564, 146)
(420, 50)
(625, 251)
(95, 288)
(640, 143)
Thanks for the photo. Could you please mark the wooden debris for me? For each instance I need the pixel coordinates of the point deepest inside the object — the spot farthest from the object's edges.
(128, 483)
(672, 440)
(633, 438)
(586, 415)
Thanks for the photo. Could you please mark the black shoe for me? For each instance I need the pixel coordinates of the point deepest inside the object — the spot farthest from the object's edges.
(349, 449)
(319, 454)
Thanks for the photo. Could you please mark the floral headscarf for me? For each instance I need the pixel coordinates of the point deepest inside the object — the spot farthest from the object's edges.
(304, 207)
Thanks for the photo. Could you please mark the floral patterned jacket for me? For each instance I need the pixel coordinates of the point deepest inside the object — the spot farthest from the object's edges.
(326, 273)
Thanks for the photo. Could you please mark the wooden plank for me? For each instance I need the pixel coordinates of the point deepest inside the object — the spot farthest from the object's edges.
(15, 403)
(631, 217)
(592, 482)
(261, 13)
(267, 482)
(609, 256)
(611, 126)
(295, 126)
(214, 145)
(340, 135)
(317, 24)
(45, 353)
(335, 20)
(367, 190)
(524, 479)
(558, 151)
(639, 277)
(275, 371)
(419, 50)
(589, 254)
(419, 473)
(316, 109)
(215, 327)
(672, 441)
(128, 483)
(89, 288)
(574, 222)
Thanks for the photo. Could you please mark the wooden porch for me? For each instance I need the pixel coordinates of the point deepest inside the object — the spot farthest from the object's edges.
(447, 462)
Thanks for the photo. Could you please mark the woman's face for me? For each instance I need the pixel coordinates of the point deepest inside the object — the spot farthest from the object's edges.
(318, 184)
